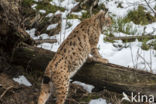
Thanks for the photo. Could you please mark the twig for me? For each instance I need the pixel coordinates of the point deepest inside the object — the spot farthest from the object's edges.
(132, 56)
(5, 91)
(39, 41)
(131, 37)
(151, 60)
(73, 100)
(150, 7)
(145, 62)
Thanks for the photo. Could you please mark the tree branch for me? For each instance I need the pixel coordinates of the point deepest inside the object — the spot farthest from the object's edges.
(129, 38)
(40, 41)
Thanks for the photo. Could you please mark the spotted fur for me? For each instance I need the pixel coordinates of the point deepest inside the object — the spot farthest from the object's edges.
(71, 55)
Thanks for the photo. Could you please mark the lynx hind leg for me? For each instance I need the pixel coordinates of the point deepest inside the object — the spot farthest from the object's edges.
(61, 84)
(47, 87)
(62, 92)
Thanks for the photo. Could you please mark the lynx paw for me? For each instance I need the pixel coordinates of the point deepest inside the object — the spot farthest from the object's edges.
(105, 61)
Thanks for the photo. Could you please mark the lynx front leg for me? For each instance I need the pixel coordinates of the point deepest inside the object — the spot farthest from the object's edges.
(97, 57)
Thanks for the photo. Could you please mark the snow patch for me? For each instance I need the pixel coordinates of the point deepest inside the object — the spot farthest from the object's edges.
(98, 101)
(22, 80)
(58, 12)
(50, 15)
(42, 11)
(31, 32)
(135, 56)
(87, 87)
(34, 6)
(52, 26)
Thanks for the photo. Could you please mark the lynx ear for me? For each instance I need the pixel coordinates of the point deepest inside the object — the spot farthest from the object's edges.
(102, 11)
(100, 14)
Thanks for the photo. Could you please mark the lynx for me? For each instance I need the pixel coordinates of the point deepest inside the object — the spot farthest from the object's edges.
(71, 55)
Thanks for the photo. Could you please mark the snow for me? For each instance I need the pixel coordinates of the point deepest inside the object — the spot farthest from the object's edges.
(43, 36)
(60, 37)
(98, 101)
(79, 14)
(52, 26)
(87, 87)
(50, 15)
(42, 11)
(151, 28)
(22, 80)
(33, 6)
(127, 5)
(137, 30)
(31, 32)
(135, 56)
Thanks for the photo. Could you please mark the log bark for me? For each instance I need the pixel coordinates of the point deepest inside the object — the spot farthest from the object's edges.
(108, 76)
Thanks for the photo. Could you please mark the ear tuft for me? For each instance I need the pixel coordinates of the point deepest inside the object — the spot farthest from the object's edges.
(100, 13)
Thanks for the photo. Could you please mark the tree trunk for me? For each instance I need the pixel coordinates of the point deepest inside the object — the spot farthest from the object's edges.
(109, 76)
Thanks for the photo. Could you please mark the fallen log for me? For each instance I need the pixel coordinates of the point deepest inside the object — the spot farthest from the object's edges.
(131, 38)
(108, 76)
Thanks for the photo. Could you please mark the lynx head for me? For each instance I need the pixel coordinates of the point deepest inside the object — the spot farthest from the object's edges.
(103, 18)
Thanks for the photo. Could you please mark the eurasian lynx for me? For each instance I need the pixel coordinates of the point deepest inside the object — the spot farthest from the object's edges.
(71, 55)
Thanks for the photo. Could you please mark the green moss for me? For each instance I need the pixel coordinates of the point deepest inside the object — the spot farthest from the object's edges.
(145, 46)
(27, 3)
(108, 34)
(85, 15)
(89, 97)
(120, 25)
(152, 44)
(139, 16)
(72, 16)
(48, 7)
(27, 11)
